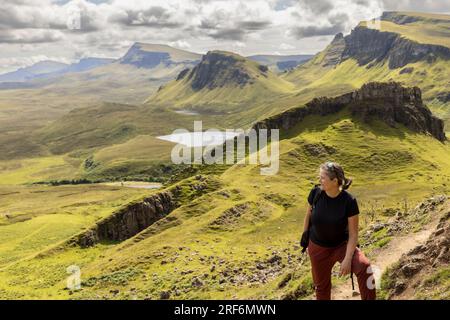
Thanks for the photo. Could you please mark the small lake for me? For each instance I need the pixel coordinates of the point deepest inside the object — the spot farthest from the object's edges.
(187, 112)
(134, 184)
(199, 139)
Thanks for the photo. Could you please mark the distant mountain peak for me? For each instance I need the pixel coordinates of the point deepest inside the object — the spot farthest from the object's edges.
(147, 55)
(338, 37)
(221, 68)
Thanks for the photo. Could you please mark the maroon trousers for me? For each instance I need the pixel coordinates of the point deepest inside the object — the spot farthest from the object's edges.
(322, 262)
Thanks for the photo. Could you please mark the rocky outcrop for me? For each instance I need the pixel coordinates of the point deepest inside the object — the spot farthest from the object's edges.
(128, 221)
(333, 53)
(443, 97)
(182, 74)
(417, 265)
(393, 104)
(139, 215)
(390, 102)
(370, 45)
(218, 69)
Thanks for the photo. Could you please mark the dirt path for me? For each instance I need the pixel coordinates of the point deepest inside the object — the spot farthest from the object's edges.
(384, 257)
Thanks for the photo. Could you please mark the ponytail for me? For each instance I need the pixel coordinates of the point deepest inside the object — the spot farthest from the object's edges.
(347, 183)
(335, 171)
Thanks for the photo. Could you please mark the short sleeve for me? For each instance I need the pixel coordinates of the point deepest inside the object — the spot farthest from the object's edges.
(311, 195)
(352, 207)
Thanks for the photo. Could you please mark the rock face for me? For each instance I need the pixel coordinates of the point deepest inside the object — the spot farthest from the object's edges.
(128, 221)
(139, 215)
(390, 102)
(218, 69)
(367, 45)
(182, 74)
(333, 53)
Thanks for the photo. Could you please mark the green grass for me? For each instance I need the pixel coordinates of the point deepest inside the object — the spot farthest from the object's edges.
(28, 228)
(230, 98)
(121, 137)
(265, 226)
(242, 221)
(36, 169)
(436, 285)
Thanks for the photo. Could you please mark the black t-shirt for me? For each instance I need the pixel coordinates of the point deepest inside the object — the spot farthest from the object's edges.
(329, 219)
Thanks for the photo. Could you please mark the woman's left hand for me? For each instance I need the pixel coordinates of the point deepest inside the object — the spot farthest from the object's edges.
(345, 267)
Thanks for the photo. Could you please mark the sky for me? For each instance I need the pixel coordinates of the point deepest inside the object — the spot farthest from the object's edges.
(68, 30)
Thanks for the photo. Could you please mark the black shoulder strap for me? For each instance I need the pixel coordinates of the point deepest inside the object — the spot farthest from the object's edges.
(316, 195)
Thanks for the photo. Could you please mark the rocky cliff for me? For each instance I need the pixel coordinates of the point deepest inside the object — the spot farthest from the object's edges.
(368, 45)
(390, 102)
(128, 221)
(333, 53)
(218, 69)
(137, 216)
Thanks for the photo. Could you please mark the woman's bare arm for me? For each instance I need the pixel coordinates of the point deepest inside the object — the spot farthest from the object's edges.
(346, 264)
(352, 236)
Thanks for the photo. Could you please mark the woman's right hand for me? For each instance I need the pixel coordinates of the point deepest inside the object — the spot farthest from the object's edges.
(304, 240)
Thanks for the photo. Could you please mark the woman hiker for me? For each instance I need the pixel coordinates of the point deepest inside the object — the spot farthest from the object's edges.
(331, 234)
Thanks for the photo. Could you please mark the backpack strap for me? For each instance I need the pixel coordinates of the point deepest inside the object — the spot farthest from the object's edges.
(316, 195)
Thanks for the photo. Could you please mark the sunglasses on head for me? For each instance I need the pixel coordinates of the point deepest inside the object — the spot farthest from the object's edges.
(330, 165)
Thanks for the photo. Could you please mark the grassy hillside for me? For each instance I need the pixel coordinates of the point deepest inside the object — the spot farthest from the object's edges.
(239, 238)
(28, 229)
(430, 78)
(235, 84)
(227, 103)
(248, 226)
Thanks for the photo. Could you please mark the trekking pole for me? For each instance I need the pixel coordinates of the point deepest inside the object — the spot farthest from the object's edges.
(353, 283)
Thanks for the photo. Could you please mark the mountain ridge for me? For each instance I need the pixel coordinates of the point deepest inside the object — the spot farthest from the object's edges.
(390, 102)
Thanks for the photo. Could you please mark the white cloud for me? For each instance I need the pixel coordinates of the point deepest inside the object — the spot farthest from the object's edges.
(239, 44)
(180, 44)
(30, 36)
(108, 28)
(285, 46)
